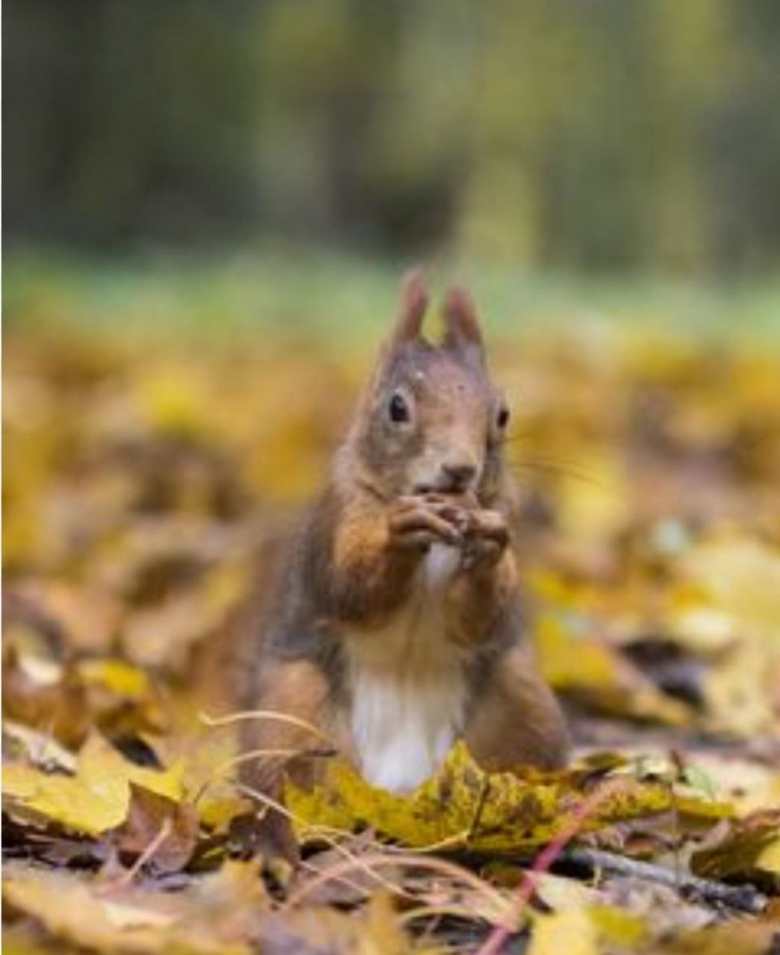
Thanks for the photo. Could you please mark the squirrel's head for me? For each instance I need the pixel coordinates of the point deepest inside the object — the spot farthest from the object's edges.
(431, 419)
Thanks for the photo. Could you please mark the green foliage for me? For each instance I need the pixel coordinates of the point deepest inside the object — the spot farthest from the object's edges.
(604, 135)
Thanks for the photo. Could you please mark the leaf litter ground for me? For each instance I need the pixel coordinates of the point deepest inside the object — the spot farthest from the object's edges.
(143, 483)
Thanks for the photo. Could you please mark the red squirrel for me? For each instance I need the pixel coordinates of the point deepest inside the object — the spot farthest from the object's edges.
(396, 622)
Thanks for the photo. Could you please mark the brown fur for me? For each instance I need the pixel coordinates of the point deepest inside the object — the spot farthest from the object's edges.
(355, 562)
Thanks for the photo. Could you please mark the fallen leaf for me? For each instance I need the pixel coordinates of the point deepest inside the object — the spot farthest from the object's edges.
(39, 748)
(462, 805)
(737, 938)
(162, 831)
(749, 851)
(317, 930)
(96, 798)
(571, 931)
(117, 676)
(740, 578)
(596, 673)
(216, 914)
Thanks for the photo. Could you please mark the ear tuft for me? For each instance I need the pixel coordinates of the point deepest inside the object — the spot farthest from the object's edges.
(414, 302)
(461, 321)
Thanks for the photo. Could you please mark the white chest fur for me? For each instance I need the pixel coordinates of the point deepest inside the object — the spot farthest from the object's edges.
(408, 686)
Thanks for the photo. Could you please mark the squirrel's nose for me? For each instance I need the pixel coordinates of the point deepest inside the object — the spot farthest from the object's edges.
(459, 474)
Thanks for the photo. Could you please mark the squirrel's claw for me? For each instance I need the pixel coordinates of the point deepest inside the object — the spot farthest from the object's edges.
(415, 522)
(485, 539)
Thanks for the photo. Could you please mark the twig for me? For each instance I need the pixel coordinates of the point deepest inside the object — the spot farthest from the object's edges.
(477, 818)
(127, 877)
(744, 898)
(273, 715)
(582, 811)
(493, 898)
(330, 837)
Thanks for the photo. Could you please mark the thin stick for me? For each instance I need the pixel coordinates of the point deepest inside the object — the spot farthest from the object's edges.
(745, 898)
(456, 840)
(477, 818)
(127, 877)
(361, 890)
(258, 754)
(356, 862)
(417, 862)
(262, 715)
(228, 764)
(425, 911)
(494, 942)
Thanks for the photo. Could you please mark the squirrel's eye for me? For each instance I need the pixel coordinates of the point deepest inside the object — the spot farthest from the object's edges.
(399, 410)
(502, 419)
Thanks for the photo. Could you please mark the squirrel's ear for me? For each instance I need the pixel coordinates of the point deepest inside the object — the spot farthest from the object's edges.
(414, 302)
(461, 323)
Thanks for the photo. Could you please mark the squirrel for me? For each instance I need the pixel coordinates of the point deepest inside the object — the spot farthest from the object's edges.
(395, 625)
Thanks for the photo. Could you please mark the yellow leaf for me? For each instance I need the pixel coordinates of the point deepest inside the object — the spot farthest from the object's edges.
(617, 926)
(749, 850)
(740, 579)
(462, 804)
(769, 858)
(568, 661)
(119, 677)
(97, 797)
(571, 932)
(584, 929)
(594, 671)
(176, 401)
(131, 916)
(212, 915)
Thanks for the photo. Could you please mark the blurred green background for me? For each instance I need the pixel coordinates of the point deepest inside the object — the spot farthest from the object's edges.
(285, 154)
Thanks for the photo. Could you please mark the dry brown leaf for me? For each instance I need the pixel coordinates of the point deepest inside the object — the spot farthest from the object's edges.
(749, 850)
(160, 830)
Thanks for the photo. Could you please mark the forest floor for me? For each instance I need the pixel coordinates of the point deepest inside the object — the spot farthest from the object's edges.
(153, 441)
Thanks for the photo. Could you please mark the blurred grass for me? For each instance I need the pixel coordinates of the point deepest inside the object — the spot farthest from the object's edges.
(341, 300)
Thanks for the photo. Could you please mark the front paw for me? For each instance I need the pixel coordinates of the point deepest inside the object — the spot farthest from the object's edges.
(485, 539)
(415, 523)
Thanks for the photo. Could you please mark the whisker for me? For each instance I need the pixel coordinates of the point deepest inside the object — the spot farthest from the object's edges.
(561, 470)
